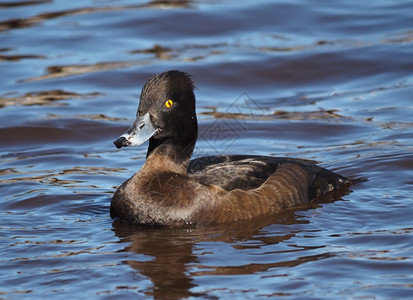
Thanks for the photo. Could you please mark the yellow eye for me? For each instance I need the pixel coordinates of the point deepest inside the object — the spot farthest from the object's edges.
(169, 103)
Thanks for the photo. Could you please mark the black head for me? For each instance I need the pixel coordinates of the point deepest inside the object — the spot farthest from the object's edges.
(166, 113)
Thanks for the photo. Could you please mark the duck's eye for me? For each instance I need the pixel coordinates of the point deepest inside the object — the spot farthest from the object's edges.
(169, 103)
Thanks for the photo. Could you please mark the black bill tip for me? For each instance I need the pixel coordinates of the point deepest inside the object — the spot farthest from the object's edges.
(121, 142)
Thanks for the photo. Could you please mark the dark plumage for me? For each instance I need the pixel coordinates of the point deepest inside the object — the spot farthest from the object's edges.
(172, 190)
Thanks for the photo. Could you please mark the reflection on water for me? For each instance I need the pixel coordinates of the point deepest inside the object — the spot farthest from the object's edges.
(334, 87)
(177, 254)
(33, 21)
(71, 70)
(43, 98)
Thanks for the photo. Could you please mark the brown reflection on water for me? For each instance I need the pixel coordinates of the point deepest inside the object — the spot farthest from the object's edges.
(186, 53)
(159, 51)
(182, 53)
(17, 57)
(55, 178)
(177, 252)
(20, 57)
(23, 3)
(71, 70)
(395, 38)
(43, 98)
(278, 114)
(33, 21)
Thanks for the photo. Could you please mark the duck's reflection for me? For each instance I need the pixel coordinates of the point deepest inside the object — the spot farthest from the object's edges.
(177, 255)
(171, 250)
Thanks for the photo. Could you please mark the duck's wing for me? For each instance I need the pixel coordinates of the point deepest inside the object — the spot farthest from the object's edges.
(232, 172)
(248, 172)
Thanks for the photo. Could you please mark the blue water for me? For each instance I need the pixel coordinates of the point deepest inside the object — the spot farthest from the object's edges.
(330, 82)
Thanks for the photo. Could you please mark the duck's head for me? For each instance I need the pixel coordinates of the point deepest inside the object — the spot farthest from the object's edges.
(166, 114)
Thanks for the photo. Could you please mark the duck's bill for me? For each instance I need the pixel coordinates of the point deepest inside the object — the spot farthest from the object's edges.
(140, 131)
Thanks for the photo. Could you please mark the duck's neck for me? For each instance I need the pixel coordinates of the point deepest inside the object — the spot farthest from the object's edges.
(173, 155)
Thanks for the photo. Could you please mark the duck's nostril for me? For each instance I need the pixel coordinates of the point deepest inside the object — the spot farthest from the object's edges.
(121, 142)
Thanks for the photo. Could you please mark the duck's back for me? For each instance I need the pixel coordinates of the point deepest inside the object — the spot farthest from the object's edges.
(249, 172)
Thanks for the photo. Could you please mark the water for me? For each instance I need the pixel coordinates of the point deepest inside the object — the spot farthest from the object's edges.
(325, 81)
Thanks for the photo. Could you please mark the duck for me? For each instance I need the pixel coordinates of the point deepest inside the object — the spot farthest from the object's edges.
(170, 189)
